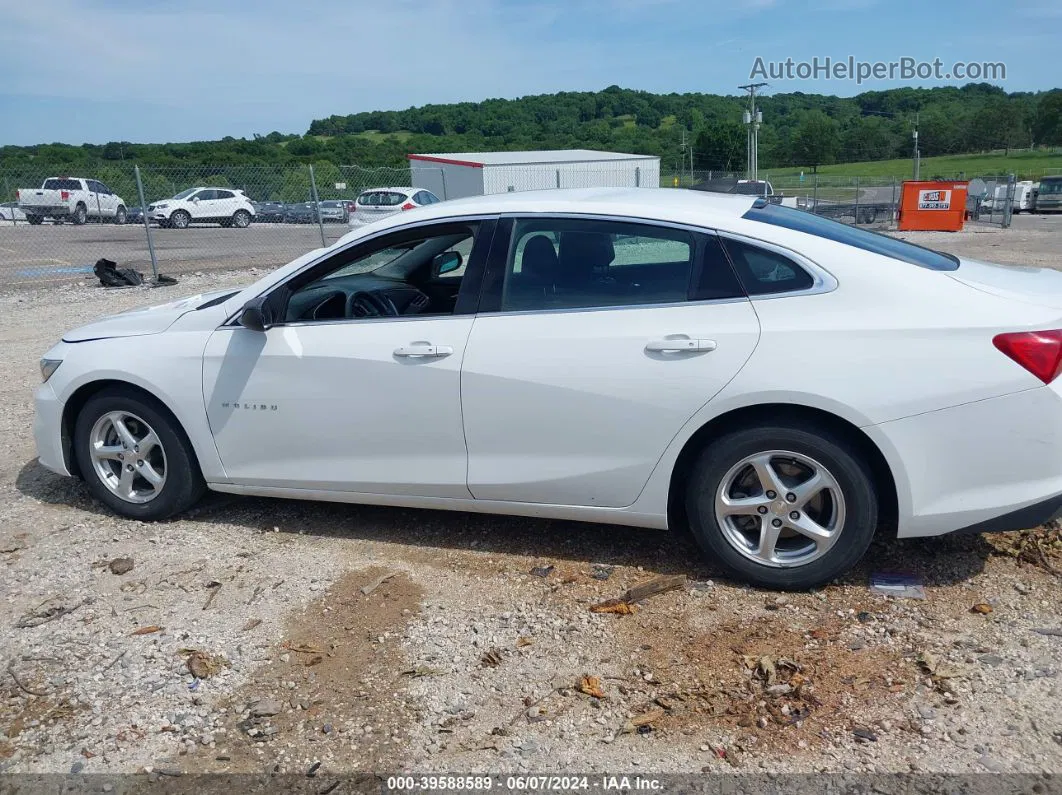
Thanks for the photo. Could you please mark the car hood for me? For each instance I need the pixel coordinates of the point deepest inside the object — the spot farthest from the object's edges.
(138, 322)
(1030, 285)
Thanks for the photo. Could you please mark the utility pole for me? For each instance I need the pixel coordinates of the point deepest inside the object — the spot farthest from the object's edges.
(753, 119)
(683, 146)
(917, 154)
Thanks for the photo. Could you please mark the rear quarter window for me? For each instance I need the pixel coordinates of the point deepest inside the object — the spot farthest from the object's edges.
(766, 272)
(812, 224)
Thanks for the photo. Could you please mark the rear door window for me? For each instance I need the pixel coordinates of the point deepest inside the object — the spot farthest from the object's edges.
(572, 264)
(225, 194)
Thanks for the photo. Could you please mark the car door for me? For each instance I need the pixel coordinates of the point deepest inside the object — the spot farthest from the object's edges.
(108, 201)
(337, 400)
(94, 202)
(225, 204)
(596, 341)
(203, 205)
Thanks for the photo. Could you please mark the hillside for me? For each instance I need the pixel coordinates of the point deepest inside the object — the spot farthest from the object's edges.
(801, 131)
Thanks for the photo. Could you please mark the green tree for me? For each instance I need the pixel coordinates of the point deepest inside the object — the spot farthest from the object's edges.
(815, 141)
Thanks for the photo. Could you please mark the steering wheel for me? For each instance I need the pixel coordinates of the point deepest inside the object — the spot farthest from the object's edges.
(370, 304)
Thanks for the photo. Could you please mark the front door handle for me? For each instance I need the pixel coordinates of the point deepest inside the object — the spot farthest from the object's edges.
(423, 350)
(680, 345)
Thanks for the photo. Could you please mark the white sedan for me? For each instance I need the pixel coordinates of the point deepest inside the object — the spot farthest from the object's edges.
(10, 211)
(785, 384)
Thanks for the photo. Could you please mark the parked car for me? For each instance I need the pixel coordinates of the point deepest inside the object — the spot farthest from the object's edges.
(1049, 195)
(782, 383)
(300, 213)
(269, 212)
(224, 206)
(10, 211)
(73, 198)
(376, 203)
(335, 211)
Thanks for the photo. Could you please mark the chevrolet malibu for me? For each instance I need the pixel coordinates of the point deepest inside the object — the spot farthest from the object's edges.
(784, 384)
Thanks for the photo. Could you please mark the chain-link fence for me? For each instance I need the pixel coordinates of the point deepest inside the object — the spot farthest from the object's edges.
(197, 217)
(252, 216)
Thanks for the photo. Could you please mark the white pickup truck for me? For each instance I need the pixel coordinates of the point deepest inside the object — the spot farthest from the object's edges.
(78, 199)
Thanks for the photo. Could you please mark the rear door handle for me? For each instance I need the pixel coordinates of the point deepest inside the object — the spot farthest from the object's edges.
(423, 350)
(680, 345)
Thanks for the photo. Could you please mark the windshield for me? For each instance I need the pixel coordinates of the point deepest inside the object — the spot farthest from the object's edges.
(184, 194)
(812, 224)
(1051, 186)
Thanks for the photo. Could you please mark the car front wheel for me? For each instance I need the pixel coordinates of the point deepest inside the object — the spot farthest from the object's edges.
(783, 507)
(134, 456)
(180, 219)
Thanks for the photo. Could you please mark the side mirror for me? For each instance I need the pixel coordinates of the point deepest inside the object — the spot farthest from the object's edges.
(253, 316)
(195, 200)
(444, 263)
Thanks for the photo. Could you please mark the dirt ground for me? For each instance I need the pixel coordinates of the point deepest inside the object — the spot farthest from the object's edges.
(260, 635)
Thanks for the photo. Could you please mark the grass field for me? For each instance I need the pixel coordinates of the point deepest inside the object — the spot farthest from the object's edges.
(1026, 165)
(376, 135)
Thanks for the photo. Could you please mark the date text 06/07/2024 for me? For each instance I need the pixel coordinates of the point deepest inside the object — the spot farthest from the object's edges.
(523, 783)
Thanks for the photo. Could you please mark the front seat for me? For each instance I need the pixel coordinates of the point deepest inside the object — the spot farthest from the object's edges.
(538, 265)
(538, 270)
(583, 255)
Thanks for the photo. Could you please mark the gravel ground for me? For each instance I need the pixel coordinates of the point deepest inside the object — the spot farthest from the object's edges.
(259, 635)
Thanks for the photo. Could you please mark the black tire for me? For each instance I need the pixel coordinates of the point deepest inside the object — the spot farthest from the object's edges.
(180, 219)
(241, 219)
(184, 484)
(120, 215)
(34, 220)
(835, 453)
(79, 216)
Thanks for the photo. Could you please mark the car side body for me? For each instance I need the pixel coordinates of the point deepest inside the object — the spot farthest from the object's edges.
(227, 207)
(600, 413)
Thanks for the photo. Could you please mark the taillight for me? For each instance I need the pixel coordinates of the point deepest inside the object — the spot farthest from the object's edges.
(18, 195)
(408, 206)
(1039, 352)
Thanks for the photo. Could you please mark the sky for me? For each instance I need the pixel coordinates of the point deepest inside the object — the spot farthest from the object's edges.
(94, 71)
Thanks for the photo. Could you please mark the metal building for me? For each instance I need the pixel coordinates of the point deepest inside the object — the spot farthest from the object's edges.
(454, 175)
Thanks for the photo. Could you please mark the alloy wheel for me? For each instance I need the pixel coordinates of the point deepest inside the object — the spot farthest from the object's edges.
(780, 508)
(128, 457)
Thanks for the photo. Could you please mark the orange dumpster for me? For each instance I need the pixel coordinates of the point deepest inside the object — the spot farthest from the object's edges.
(932, 206)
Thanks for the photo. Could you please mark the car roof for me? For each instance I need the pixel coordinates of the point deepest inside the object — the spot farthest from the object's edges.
(662, 204)
(398, 189)
(676, 205)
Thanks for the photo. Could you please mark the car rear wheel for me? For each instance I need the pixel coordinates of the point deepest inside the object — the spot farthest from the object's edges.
(241, 219)
(120, 215)
(134, 456)
(782, 507)
(180, 219)
(80, 215)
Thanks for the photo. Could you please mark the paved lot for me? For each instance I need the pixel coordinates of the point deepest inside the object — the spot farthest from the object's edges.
(51, 254)
(241, 639)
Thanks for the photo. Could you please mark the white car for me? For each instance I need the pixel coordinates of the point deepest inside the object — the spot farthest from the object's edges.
(376, 203)
(784, 383)
(10, 211)
(224, 206)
